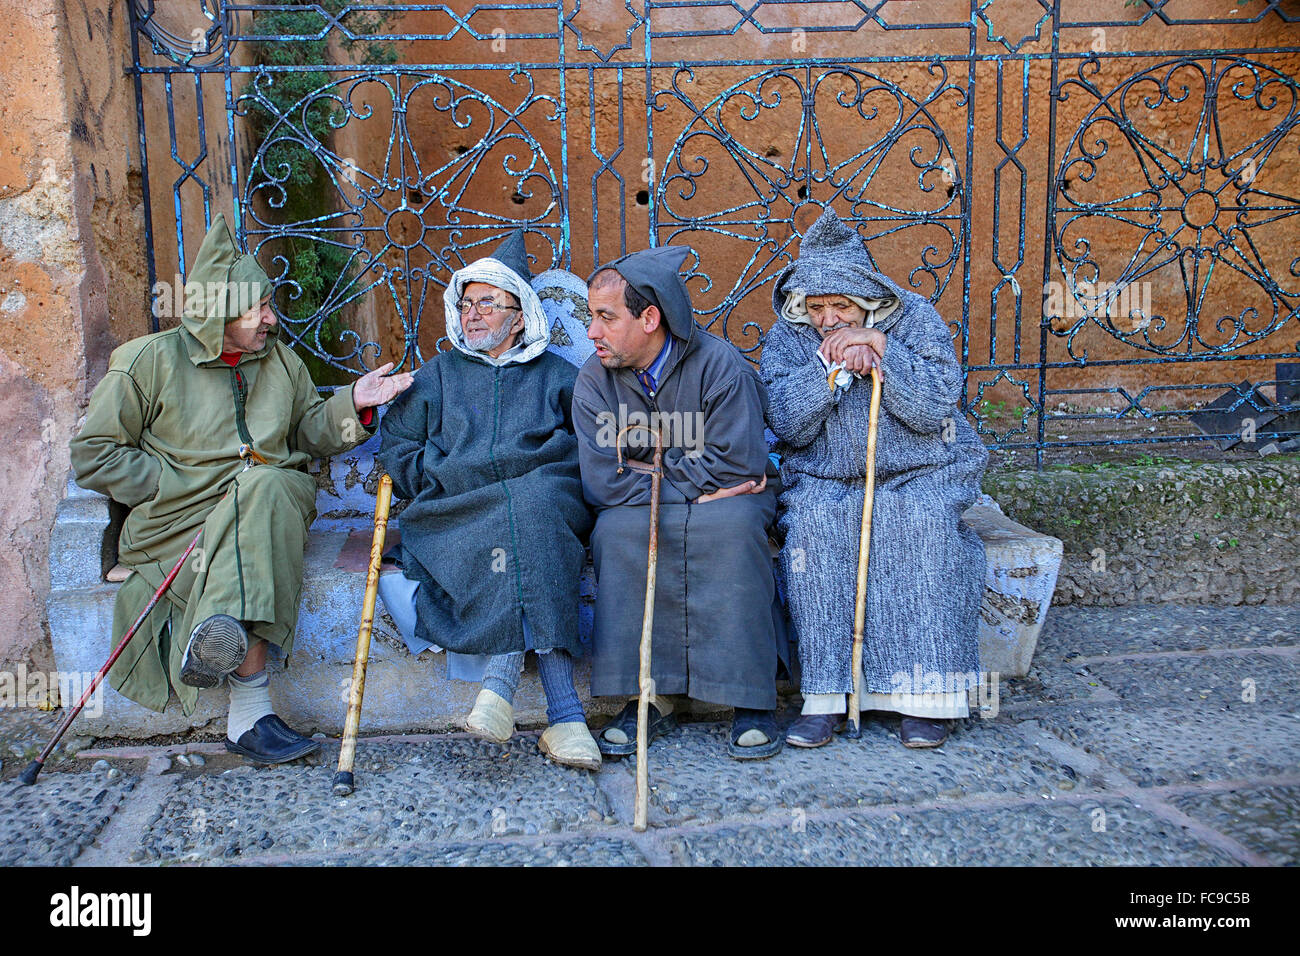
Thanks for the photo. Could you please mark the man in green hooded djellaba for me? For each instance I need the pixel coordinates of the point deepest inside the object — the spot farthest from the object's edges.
(163, 435)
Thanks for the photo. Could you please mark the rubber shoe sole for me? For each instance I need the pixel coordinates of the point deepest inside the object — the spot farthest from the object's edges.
(217, 646)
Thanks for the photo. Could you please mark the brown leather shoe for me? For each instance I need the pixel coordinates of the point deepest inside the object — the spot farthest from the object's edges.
(919, 732)
(812, 730)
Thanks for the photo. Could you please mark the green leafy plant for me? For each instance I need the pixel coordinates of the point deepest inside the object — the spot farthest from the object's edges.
(991, 410)
(317, 267)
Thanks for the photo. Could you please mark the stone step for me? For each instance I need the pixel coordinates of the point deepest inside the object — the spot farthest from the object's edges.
(405, 693)
(1021, 575)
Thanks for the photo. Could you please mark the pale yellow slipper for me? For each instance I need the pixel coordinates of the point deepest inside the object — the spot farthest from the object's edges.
(493, 717)
(571, 744)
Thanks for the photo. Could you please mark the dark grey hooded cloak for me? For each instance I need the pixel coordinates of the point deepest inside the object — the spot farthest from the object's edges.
(715, 626)
(484, 450)
(927, 568)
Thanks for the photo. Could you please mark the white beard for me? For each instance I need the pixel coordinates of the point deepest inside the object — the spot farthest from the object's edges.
(488, 341)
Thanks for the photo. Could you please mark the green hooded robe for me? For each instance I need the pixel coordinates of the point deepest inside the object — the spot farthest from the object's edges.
(162, 436)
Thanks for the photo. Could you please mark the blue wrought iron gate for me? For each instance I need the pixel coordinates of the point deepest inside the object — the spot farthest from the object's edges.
(1104, 209)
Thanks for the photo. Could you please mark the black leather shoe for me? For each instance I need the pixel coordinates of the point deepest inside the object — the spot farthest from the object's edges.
(812, 730)
(217, 646)
(270, 741)
(918, 732)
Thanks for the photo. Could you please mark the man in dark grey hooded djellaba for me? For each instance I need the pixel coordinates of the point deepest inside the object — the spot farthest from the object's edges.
(715, 631)
(836, 313)
(493, 538)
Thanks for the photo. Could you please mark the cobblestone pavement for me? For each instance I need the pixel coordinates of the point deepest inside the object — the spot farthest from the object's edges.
(1152, 736)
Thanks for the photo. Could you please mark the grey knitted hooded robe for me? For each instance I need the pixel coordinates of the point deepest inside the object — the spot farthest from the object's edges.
(927, 568)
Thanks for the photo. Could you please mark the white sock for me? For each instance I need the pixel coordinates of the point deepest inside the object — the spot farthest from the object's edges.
(823, 704)
(250, 701)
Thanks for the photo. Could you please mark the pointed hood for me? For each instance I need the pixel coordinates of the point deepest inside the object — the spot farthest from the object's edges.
(512, 254)
(833, 260)
(222, 284)
(655, 274)
(506, 268)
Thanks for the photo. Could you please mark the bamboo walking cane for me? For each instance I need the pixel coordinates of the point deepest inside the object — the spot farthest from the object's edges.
(28, 776)
(645, 682)
(864, 554)
(344, 782)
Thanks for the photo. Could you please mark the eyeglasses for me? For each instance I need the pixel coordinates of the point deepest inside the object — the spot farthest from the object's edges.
(484, 306)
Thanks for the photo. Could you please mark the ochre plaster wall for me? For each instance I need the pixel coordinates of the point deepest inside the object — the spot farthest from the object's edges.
(71, 273)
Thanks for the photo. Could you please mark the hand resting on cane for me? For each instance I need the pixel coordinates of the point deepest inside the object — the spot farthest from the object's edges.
(856, 349)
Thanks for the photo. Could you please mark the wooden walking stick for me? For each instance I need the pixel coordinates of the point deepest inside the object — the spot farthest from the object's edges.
(645, 683)
(28, 776)
(343, 778)
(864, 553)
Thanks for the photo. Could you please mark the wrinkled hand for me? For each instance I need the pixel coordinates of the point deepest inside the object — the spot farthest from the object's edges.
(374, 389)
(860, 359)
(837, 343)
(744, 488)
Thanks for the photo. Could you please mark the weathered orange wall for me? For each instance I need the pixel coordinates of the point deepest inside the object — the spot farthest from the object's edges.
(70, 238)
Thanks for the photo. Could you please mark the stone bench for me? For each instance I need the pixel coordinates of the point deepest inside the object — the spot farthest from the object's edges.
(406, 692)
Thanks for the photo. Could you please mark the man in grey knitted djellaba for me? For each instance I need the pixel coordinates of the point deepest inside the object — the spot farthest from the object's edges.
(837, 314)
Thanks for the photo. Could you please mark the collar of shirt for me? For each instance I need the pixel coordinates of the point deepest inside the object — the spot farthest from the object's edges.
(649, 377)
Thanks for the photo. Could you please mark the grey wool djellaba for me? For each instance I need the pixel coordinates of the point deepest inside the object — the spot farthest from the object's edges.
(927, 567)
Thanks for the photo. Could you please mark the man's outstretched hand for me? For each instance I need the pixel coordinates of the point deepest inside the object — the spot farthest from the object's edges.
(374, 389)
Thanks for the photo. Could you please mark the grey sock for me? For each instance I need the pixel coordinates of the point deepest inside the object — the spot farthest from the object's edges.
(562, 703)
(502, 674)
(250, 701)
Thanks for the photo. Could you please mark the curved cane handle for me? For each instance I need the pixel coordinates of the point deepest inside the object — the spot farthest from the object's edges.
(618, 441)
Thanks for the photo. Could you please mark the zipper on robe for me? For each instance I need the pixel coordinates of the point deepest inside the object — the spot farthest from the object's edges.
(510, 508)
(238, 389)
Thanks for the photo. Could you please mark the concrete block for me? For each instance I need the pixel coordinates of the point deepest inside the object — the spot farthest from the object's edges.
(403, 692)
(77, 540)
(1021, 575)
(409, 693)
(347, 483)
(75, 557)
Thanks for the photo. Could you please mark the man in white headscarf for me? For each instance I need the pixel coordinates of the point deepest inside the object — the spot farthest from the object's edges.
(493, 537)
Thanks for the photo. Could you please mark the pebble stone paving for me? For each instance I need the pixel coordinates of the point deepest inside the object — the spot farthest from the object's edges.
(980, 758)
(1264, 820)
(51, 826)
(1252, 683)
(1011, 836)
(573, 852)
(1156, 746)
(1133, 718)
